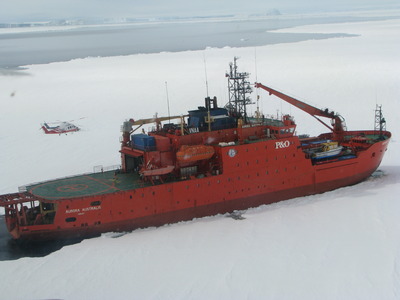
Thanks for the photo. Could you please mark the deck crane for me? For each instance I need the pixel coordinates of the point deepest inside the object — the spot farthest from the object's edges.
(338, 124)
(127, 130)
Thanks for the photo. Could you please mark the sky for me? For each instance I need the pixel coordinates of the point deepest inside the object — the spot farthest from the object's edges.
(40, 10)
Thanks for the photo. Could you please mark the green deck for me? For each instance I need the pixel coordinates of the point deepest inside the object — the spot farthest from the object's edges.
(85, 185)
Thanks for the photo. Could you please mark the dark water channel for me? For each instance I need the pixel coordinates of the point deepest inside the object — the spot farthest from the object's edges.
(11, 250)
(25, 48)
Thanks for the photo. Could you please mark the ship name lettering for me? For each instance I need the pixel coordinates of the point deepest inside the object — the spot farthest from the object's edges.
(78, 210)
(91, 208)
(283, 144)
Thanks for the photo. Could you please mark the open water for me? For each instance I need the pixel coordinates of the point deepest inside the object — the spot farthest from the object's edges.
(10, 250)
(25, 48)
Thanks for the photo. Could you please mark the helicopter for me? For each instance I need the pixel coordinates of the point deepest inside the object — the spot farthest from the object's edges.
(62, 127)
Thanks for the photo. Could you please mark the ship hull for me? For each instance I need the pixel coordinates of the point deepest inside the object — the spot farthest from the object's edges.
(187, 214)
(182, 201)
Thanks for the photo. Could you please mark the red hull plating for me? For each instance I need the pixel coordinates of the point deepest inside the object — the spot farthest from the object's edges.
(258, 177)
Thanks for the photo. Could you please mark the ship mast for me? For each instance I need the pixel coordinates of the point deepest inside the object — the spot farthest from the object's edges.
(380, 122)
(239, 88)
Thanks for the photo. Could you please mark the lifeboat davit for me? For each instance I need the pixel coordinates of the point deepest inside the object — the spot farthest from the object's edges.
(188, 153)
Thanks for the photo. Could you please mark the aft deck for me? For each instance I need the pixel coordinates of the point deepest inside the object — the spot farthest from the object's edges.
(86, 185)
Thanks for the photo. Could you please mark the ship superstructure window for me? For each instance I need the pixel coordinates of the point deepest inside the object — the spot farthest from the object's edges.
(71, 219)
(95, 203)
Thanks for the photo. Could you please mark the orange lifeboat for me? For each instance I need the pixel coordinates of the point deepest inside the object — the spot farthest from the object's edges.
(188, 153)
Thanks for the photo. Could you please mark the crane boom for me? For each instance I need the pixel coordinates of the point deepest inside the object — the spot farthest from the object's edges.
(337, 120)
(155, 120)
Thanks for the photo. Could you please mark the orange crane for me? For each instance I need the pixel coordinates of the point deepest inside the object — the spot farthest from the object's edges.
(338, 124)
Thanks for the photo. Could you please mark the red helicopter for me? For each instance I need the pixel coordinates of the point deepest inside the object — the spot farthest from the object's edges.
(62, 127)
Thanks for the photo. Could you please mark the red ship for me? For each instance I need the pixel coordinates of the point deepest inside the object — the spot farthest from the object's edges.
(215, 160)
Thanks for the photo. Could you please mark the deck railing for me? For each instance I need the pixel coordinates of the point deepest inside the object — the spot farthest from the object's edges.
(96, 169)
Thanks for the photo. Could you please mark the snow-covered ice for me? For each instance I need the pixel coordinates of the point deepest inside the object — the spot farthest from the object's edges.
(343, 244)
